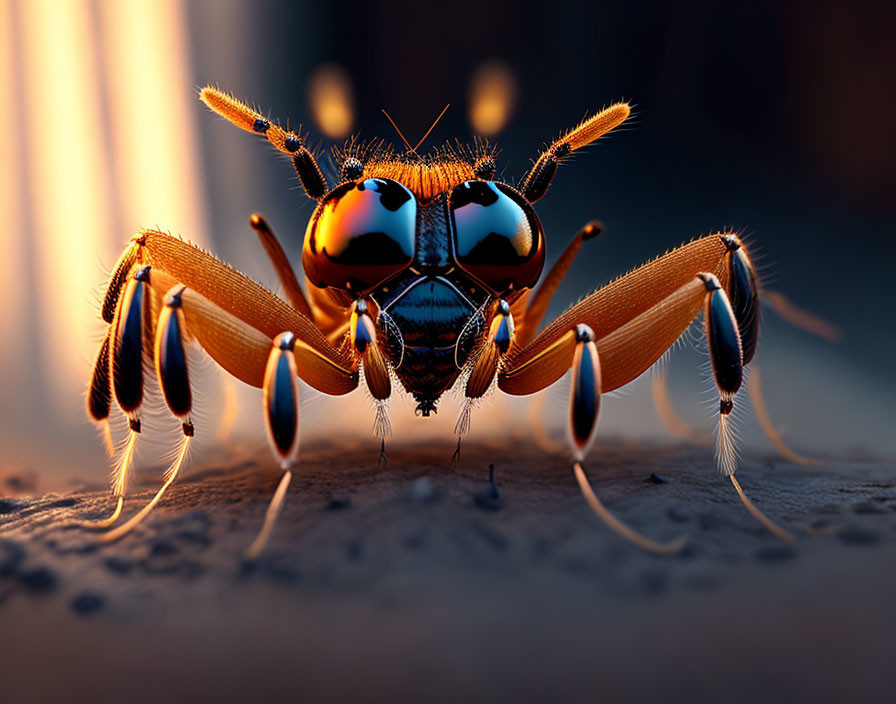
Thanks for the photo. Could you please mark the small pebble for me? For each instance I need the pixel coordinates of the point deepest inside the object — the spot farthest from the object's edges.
(197, 537)
(655, 478)
(88, 603)
(337, 504)
(119, 565)
(162, 548)
(11, 557)
(74, 547)
(25, 483)
(11, 505)
(423, 491)
(39, 579)
(869, 508)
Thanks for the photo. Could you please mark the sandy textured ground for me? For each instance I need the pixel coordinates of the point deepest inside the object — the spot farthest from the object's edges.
(388, 584)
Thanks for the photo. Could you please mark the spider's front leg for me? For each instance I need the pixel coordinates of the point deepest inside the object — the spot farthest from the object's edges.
(618, 332)
(171, 292)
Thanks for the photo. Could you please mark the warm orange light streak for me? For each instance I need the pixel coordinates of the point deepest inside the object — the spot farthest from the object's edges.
(332, 105)
(104, 522)
(800, 318)
(270, 518)
(492, 97)
(152, 112)
(170, 476)
(64, 137)
(677, 427)
(230, 407)
(771, 527)
(759, 408)
(12, 246)
(539, 428)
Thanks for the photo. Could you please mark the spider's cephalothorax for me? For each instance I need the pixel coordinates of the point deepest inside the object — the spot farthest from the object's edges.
(421, 268)
(433, 257)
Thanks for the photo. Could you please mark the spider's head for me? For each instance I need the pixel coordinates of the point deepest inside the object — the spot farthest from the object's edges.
(433, 215)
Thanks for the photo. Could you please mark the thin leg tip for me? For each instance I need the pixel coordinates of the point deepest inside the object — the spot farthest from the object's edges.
(759, 408)
(672, 547)
(101, 523)
(770, 526)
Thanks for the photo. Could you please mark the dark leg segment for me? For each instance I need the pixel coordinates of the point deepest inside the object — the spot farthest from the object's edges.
(726, 355)
(281, 414)
(584, 406)
(281, 265)
(171, 367)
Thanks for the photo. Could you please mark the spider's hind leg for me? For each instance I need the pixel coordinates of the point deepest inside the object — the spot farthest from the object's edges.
(170, 358)
(633, 321)
(280, 392)
(727, 353)
(231, 317)
(119, 371)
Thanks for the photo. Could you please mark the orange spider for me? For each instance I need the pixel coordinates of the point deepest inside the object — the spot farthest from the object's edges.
(420, 269)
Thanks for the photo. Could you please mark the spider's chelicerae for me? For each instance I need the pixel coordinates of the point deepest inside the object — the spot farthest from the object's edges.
(420, 269)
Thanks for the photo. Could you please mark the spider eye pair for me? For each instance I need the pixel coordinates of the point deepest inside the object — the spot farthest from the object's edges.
(362, 233)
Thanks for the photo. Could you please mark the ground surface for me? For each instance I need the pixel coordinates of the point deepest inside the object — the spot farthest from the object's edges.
(391, 584)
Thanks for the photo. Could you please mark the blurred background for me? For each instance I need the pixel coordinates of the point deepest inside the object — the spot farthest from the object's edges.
(773, 119)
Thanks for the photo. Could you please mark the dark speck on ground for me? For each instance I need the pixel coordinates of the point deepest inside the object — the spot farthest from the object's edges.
(88, 603)
(38, 579)
(337, 504)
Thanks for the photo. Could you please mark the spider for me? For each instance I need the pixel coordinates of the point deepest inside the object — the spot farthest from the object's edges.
(420, 270)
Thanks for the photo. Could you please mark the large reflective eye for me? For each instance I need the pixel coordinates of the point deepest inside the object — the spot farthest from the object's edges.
(497, 236)
(361, 234)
